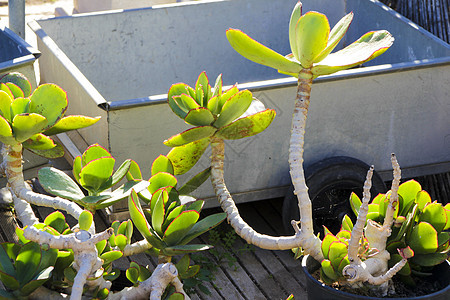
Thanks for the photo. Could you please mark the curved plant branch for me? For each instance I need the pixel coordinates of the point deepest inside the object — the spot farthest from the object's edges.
(306, 240)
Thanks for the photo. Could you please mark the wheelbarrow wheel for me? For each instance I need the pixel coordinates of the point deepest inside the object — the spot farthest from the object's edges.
(330, 183)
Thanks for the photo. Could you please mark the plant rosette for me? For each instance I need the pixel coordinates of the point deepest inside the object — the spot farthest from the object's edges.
(30, 117)
(94, 172)
(171, 221)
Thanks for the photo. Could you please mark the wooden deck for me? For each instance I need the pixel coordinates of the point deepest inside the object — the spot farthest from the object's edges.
(244, 274)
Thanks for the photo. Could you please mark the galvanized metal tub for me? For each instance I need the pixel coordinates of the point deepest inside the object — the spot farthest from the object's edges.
(119, 65)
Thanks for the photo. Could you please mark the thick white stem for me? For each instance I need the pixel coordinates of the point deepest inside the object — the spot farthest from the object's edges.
(24, 212)
(86, 260)
(309, 242)
(358, 229)
(389, 218)
(296, 144)
(136, 248)
(153, 287)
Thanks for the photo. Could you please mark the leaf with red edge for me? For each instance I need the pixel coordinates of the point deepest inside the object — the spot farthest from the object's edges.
(368, 47)
(190, 135)
(179, 227)
(50, 101)
(183, 158)
(72, 122)
(139, 220)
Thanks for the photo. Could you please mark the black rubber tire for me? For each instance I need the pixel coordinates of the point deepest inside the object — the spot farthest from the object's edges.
(330, 184)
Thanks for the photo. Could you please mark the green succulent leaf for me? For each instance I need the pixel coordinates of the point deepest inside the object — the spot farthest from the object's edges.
(121, 241)
(96, 173)
(177, 90)
(162, 164)
(434, 214)
(6, 135)
(226, 96)
(295, 16)
(41, 278)
(5, 105)
(9, 281)
(111, 256)
(190, 135)
(326, 243)
(58, 183)
(218, 86)
(20, 106)
(52, 153)
(57, 221)
(50, 101)
(311, 36)
(408, 191)
(259, 53)
(368, 47)
(183, 264)
(161, 180)
(184, 249)
(203, 226)
(85, 220)
(186, 103)
(355, 203)
(5, 262)
(336, 34)
(422, 199)
(72, 122)
(234, 108)
(247, 126)
(430, 259)
(203, 84)
(347, 223)
(120, 173)
(328, 269)
(175, 296)
(179, 227)
(19, 80)
(185, 157)
(15, 90)
(195, 182)
(423, 238)
(5, 88)
(134, 172)
(139, 220)
(121, 193)
(200, 116)
(158, 213)
(27, 262)
(94, 152)
(338, 250)
(39, 142)
(26, 125)
(132, 274)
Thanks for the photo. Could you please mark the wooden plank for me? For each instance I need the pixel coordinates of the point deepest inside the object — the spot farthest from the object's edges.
(280, 264)
(240, 278)
(8, 225)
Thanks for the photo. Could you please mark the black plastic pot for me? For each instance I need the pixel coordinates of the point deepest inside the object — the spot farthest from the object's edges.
(319, 291)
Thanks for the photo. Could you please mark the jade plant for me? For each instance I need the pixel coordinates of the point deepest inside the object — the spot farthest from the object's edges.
(358, 253)
(54, 259)
(419, 223)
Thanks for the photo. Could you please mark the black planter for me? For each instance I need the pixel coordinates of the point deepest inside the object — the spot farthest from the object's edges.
(319, 291)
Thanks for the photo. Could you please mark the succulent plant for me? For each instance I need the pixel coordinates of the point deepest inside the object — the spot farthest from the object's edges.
(30, 117)
(311, 44)
(420, 223)
(94, 171)
(170, 221)
(230, 114)
(24, 268)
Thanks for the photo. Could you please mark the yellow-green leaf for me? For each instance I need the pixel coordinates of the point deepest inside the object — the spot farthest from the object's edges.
(259, 53)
